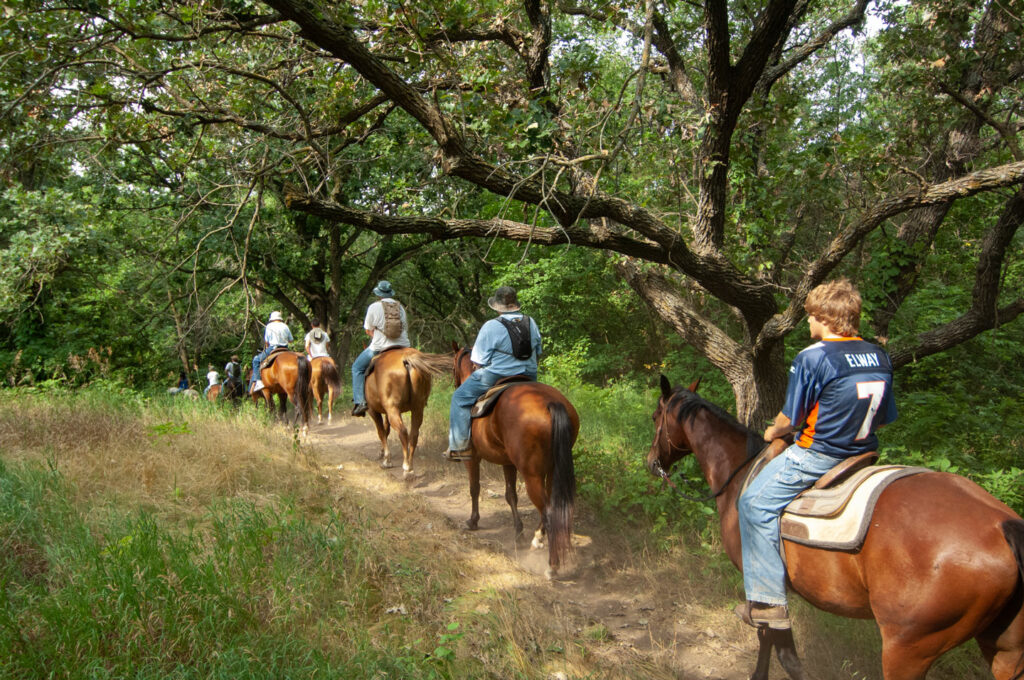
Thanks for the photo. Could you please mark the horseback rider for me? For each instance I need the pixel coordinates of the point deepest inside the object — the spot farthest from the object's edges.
(232, 375)
(505, 346)
(839, 393)
(317, 341)
(387, 326)
(212, 377)
(275, 335)
(232, 369)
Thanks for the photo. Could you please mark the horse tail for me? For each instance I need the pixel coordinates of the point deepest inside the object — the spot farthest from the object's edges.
(304, 388)
(563, 484)
(1013, 530)
(434, 364)
(329, 372)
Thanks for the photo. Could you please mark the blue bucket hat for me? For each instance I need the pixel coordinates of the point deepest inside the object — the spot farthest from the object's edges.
(384, 289)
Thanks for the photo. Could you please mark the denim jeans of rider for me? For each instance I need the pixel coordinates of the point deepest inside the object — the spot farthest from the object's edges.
(781, 480)
(359, 367)
(258, 359)
(459, 421)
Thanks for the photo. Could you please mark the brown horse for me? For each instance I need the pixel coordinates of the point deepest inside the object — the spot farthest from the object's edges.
(531, 430)
(397, 381)
(289, 378)
(942, 562)
(325, 381)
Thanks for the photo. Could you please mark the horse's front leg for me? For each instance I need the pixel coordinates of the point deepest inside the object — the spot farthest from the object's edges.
(764, 654)
(473, 468)
(512, 498)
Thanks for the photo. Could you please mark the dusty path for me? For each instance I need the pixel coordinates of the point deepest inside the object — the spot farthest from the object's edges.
(645, 613)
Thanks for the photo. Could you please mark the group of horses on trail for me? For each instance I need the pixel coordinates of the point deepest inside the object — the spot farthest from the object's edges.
(942, 562)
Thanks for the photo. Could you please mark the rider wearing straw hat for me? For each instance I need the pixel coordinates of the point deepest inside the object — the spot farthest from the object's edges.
(505, 346)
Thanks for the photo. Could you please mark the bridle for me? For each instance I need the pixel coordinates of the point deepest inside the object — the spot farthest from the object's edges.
(663, 474)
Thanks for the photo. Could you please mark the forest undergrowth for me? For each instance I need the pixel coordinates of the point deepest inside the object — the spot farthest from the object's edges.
(154, 537)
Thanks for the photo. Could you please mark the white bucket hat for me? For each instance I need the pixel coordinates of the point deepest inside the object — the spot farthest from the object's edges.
(275, 316)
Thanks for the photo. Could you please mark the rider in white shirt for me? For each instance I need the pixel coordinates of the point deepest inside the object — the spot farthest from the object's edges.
(277, 334)
(375, 324)
(317, 341)
(212, 377)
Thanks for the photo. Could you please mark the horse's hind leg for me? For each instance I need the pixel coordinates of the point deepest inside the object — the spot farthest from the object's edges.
(318, 397)
(409, 450)
(383, 430)
(512, 497)
(537, 492)
(394, 417)
(330, 403)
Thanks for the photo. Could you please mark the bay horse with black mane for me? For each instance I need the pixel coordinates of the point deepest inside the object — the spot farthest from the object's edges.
(288, 377)
(530, 430)
(399, 380)
(942, 562)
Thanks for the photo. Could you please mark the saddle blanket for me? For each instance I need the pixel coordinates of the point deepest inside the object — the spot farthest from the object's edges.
(838, 517)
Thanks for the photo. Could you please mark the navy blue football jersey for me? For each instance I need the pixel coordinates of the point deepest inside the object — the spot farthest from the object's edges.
(841, 390)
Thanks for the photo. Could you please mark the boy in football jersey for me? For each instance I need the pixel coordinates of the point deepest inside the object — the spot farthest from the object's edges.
(839, 393)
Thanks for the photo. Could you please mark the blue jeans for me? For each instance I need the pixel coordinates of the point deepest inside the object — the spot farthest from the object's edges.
(258, 359)
(781, 480)
(459, 420)
(359, 367)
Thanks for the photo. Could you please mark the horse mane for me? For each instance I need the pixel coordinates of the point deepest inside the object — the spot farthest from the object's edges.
(688, 405)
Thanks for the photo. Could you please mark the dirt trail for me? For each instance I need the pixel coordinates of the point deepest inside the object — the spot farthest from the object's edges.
(645, 614)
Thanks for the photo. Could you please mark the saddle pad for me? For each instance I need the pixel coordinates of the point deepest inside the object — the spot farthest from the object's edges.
(838, 518)
(486, 402)
(373, 361)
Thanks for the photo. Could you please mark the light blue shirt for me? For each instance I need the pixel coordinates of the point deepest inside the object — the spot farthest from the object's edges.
(277, 333)
(493, 348)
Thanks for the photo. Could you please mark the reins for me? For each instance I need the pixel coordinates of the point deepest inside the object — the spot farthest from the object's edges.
(665, 478)
(660, 471)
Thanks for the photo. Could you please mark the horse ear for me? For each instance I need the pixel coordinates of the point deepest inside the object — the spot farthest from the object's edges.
(666, 386)
(694, 385)
(455, 346)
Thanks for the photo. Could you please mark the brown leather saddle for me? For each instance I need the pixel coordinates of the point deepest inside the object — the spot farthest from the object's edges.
(485, 404)
(272, 357)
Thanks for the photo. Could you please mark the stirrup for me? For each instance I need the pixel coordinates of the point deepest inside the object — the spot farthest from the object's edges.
(458, 456)
(775, 617)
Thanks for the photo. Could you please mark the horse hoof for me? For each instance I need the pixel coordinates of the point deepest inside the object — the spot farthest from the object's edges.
(471, 525)
(549, 574)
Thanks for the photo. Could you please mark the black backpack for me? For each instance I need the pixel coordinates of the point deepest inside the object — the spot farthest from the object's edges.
(519, 334)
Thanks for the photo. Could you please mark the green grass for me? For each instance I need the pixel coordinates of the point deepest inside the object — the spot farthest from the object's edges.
(252, 592)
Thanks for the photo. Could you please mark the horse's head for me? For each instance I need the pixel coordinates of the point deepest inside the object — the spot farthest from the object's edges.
(670, 441)
(463, 366)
